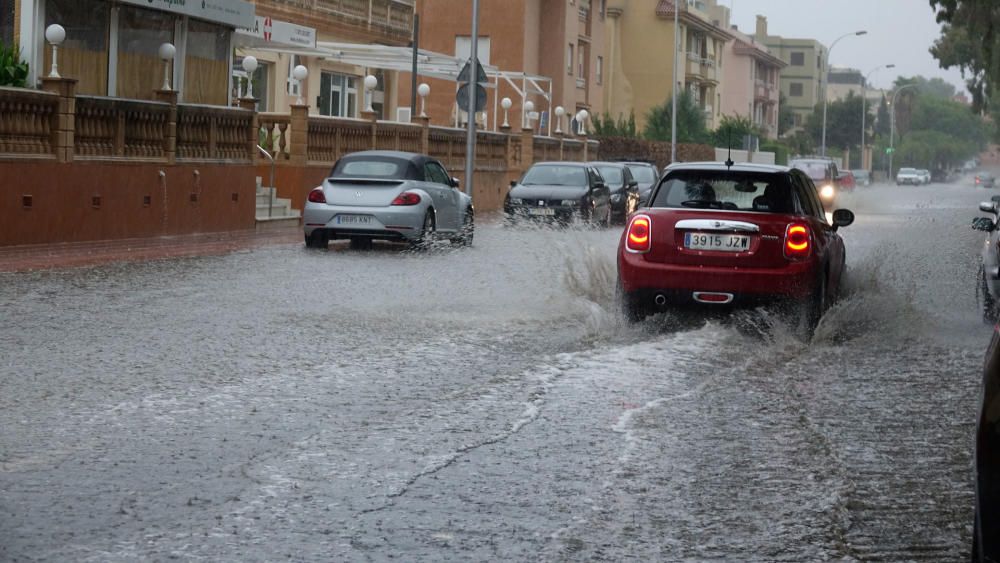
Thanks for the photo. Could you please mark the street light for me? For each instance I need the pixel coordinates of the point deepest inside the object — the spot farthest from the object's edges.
(892, 122)
(55, 34)
(825, 78)
(864, 109)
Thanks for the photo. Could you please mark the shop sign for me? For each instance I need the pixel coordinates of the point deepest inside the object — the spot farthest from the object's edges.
(280, 33)
(234, 13)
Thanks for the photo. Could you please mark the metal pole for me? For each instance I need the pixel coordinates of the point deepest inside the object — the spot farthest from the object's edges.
(673, 88)
(892, 124)
(864, 107)
(413, 72)
(470, 139)
(824, 78)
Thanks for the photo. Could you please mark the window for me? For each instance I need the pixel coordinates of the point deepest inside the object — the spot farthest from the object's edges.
(140, 34)
(338, 95)
(744, 191)
(581, 51)
(569, 60)
(260, 80)
(84, 54)
(797, 119)
(294, 87)
(798, 59)
(7, 22)
(600, 70)
(207, 57)
(795, 89)
(433, 172)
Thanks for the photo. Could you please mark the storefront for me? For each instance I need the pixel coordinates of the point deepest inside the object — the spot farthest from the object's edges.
(112, 46)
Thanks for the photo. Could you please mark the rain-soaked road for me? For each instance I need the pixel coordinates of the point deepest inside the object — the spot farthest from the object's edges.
(486, 404)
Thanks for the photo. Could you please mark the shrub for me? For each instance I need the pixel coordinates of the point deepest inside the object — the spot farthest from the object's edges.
(13, 71)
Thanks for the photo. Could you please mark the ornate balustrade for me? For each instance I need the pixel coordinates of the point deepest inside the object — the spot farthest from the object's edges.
(213, 133)
(274, 134)
(331, 137)
(546, 148)
(26, 121)
(118, 128)
(491, 152)
(448, 146)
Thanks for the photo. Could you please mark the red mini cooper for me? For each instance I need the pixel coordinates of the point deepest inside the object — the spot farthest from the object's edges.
(743, 235)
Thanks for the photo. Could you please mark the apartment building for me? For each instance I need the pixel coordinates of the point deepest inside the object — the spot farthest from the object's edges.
(640, 39)
(752, 82)
(843, 82)
(801, 80)
(551, 53)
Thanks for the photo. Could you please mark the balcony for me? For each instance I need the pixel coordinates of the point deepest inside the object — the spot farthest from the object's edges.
(764, 91)
(392, 19)
(701, 69)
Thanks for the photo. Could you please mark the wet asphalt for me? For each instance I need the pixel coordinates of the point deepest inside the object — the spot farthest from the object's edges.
(489, 404)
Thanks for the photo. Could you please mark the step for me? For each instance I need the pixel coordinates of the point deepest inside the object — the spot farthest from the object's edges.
(275, 223)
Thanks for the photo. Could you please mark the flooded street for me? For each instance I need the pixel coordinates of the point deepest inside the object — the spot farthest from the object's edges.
(488, 404)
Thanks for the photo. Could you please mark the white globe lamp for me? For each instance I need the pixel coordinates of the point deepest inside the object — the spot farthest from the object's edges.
(506, 104)
(370, 83)
(250, 65)
(300, 73)
(560, 112)
(167, 52)
(55, 34)
(423, 91)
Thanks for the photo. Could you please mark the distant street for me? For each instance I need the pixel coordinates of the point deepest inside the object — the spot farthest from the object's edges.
(487, 404)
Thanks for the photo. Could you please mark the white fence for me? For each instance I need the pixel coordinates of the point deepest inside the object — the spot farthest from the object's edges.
(757, 157)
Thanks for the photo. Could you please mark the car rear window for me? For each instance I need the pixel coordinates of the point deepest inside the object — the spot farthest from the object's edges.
(815, 170)
(374, 166)
(643, 174)
(612, 174)
(907, 170)
(765, 192)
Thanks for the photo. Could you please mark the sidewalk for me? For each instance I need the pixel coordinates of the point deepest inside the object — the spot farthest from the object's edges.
(79, 254)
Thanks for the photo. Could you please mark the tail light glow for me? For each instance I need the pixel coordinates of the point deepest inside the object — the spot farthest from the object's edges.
(407, 198)
(316, 196)
(638, 239)
(797, 241)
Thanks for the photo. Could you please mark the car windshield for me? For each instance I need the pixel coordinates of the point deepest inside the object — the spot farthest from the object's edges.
(643, 174)
(907, 170)
(733, 190)
(612, 174)
(370, 167)
(860, 173)
(814, 169)
(555, 175)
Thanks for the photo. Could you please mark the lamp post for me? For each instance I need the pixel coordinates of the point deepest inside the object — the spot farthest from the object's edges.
(300, 73)
(423, 90)
(864, 107)
(825, 79)
(581, 118)
(527, 108)
(249, 65)
(370, 83)
(167, 52)
(892, 123)
(506, 104)
(55, 34)
(560, 112)
(673, 87)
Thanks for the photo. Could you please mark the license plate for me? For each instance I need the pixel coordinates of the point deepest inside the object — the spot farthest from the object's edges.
(541, 211)
(355, 219)
(711, 241)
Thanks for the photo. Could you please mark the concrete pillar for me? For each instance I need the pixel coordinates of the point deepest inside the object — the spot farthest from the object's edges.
(372, 118)
(299, 149)
(527, 148)
(170, 136)
(64, 120)
(425, 134)
(253, 137)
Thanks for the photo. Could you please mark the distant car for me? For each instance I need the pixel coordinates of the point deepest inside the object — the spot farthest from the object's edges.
(847, 181)
(925, 175)
(560, 191)
(740, 236)
(823, 172)
(387, 195)
(909, 176)
(862, 177)
(986, 530)
(623, 187)
(984, 180)
(646, 174)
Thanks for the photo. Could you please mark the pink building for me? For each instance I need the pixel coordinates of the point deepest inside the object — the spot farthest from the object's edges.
(751, 75)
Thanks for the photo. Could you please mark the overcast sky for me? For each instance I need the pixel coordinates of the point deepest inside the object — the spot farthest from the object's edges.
(899, 32)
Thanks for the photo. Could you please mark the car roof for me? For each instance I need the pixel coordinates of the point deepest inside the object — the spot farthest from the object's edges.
(402, 155)
(606, 163)
(563, 163)
(721, 166)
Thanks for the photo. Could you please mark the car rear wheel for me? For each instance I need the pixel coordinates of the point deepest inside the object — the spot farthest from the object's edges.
(810, 311)
(631, 309)
(427, 232)
(990, 313)
(465, 235)
(317, 239)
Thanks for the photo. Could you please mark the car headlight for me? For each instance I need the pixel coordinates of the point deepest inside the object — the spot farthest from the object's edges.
(516, 201)
(827, 192)
(570, 202)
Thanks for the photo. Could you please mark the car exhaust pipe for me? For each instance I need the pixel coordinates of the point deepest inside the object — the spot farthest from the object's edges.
(660, 299)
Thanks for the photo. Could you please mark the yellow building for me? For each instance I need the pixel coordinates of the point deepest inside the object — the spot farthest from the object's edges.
(640, 45)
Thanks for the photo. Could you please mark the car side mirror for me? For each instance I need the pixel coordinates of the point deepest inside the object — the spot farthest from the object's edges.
(988, 206)
(513, 183)
(983, 224)
(842, 218)
(454, 182)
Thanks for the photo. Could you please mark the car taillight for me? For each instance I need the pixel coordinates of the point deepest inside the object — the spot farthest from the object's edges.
(797, 241)
(638, 239)
(407, 198)
(316, 196)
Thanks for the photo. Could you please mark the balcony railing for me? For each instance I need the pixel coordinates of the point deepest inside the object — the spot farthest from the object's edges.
(392, 17)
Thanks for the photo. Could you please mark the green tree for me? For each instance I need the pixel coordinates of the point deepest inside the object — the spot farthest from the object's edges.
(733, 129)
(882, 123)
(949, 117)
(607, 126)
(690, 121)
(843, 122)
(935, 86)
(786, 117)
(969, 40)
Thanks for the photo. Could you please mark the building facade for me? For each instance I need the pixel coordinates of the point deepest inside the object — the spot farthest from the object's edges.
(638, 82)
(752, 82)
(552, 52)
(844, 82)
(801, 80)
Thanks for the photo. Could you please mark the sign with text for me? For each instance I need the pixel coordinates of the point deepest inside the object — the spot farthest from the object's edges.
(279, 33)
(234, 13)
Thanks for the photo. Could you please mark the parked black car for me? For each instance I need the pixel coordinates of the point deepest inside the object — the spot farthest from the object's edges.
(623, 187)
(986, 533)
(989, 260)
(560, 191)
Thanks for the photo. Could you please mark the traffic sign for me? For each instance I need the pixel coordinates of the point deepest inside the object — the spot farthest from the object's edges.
(463, 75)
(462, 98)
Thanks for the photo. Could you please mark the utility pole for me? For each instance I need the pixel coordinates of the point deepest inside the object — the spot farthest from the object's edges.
(470, 139)
(673, 108)
(892, 123)
(864, 108)
(825, 77)
(413, 72)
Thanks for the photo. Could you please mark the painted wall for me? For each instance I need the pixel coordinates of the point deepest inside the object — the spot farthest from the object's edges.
(62, 200)
(738, 76)
(638, 82)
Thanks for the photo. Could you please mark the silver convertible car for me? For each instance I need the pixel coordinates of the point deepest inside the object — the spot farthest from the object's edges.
(388, 195)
